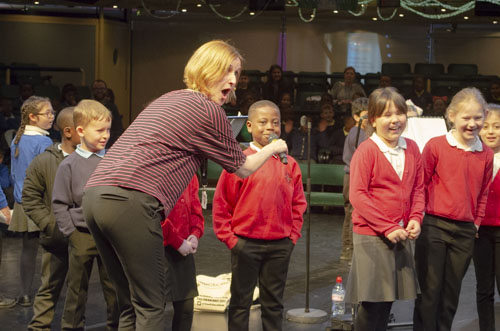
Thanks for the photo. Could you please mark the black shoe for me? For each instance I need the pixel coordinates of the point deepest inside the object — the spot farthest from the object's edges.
(25, 301)
(6, 302)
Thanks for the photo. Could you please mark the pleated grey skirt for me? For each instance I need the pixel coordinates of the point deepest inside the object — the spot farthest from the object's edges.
(20, 222)
(381, 271)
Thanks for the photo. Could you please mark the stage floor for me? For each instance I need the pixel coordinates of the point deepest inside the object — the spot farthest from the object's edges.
(213, 258)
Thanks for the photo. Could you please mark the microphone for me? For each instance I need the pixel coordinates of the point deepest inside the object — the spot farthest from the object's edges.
(283, 158)
(364, 117)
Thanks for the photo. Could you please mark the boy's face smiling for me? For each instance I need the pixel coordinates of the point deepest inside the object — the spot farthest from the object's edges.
(94, 135)
(264, 121)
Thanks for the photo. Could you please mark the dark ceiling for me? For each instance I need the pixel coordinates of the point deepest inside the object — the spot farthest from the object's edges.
(242, 9)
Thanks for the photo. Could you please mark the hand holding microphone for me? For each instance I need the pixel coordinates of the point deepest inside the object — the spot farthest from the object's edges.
(272, 138)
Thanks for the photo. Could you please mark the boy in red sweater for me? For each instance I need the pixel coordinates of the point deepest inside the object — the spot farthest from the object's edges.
(457, 174)
(259, 218)
(487, 245)
(181, 231)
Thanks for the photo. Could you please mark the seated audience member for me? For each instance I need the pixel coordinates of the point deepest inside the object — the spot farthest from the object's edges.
(494, 96)
(419, 96)
(287, 115)
(343, 92)
(276, 84)
(99, 92)
(439, 107)
(248, 99)
(298, 145)
(326, 98)
(349, 123)
(330, 134)
(385, 81)
(243, 86)
(26, 90)
(68, 96)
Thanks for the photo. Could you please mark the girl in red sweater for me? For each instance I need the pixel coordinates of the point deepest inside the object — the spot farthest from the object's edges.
(457, 170)
(181, 231)
(387, 193)
(487, 247)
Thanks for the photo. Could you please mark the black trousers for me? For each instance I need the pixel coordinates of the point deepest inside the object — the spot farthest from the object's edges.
(487, 267)
(265, 261)
(372, 316)
(442, 255)
(126, 228)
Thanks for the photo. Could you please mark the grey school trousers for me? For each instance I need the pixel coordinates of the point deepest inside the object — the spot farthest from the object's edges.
(126, 228)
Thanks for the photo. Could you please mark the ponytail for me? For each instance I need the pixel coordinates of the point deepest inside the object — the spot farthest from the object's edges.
(32, 105)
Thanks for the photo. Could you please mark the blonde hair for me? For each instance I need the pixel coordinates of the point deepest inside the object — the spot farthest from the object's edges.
(208, 64)
(32, 105)
(359, 105)
(90, 110)
(463, 99)
(261, 104)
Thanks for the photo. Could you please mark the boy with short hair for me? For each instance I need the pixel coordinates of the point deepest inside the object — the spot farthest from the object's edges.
(355, 137)
(259, 218)
(37, 197)
(93, 123)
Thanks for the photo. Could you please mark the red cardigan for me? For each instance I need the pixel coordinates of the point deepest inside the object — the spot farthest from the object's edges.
(492, 214)
(185, 219)
(380, 199)
(268, 204)
(456, 181)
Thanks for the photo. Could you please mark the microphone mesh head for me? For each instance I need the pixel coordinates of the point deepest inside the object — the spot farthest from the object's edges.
(272, 137)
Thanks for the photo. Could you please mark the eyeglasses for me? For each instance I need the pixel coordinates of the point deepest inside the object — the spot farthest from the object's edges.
(48, 114)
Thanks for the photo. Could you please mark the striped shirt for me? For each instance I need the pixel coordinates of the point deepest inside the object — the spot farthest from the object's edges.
(162, 149)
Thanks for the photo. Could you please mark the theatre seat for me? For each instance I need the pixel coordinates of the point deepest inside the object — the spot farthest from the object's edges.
(429, 69)
(394, 69)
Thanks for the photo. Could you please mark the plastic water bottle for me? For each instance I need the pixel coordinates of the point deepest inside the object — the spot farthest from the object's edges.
(338, 294)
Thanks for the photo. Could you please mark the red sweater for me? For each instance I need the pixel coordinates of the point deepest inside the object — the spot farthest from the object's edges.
(185, 219)
(492, 214)
(380, 199)
(268, 204)
(456, 181)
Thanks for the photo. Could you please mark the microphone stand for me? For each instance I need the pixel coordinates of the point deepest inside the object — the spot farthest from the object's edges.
(306, 315)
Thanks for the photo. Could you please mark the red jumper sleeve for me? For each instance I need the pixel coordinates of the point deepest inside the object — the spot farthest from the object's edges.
(417, 195)
(223, 206)
(483, 194)
(362, 169)
(170, 236)
(299, 204)
(196, 221)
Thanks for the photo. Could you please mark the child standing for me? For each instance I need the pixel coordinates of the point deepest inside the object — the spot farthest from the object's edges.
(387, 193)
(31, 139)
(93, 122)
(259, 218)
(181, 231)
(487, 246)
(37, 198)
(458, 170)
(355, 137)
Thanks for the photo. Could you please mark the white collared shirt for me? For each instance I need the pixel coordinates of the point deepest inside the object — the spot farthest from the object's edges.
(476, 147)
(395, 156)
(59, 147)
(257, 149)
(86, 154)
(32, 130)
(496, 164)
